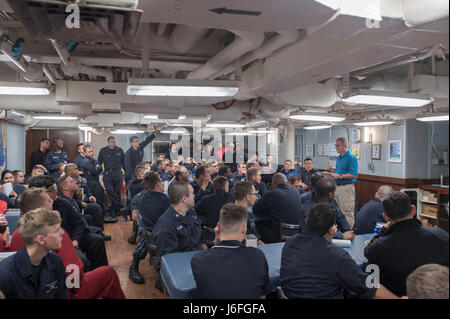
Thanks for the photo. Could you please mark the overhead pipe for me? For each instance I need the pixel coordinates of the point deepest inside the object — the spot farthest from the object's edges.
(418, 12)
(400, 61)
(49, 74)
(161, 29)
(245, 41)
(280, 40)
(72, 67)
(185, 37)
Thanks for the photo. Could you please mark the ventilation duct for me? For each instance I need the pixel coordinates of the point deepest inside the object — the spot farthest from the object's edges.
(100, 21)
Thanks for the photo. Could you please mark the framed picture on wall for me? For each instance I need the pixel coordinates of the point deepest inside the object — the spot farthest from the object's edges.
(355, 150)
(309, 151)
(375, 152)
(395, 151)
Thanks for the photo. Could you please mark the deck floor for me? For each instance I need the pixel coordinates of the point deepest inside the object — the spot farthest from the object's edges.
(119, 253)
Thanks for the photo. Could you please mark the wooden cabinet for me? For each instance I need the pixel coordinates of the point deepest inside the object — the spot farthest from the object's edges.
(432, 205)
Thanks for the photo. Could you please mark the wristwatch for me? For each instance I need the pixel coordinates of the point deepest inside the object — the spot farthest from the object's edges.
(340, 176)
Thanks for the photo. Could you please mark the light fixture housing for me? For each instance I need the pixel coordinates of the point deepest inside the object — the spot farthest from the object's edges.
(182, 87)
(224, 125)
(173, 132)
(433, 117)
(388, 98)
(317, 127)
(56, 117)
(377, 122)
(18, 88)
(151, 117)
(261, 131)
(319, 117)
(126, 131)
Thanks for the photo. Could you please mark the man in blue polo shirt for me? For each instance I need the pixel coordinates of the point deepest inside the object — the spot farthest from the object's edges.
(229, 269)
(34, 272)
(345, 174)
(312, 267)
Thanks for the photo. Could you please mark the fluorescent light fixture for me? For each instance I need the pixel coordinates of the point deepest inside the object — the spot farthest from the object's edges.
(174, 132)
(387, 98)
(261, 131)
(84, 128)
(224, 125)
(15, 88)
(180, 87)
(55, 117)
(374, 122)
(182, 117)
(317, 117)
(433, 118)
(239, 134)
(125, 131)
(318, 127)
(151, 117)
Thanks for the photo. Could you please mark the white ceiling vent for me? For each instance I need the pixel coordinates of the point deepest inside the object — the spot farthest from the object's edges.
(98, 21)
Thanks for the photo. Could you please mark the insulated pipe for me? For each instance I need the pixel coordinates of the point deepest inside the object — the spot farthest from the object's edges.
(403, 60)
(161, 29)
(245, 41)
(49, 74)
(185, 37)
(283, 38)
(418, 12)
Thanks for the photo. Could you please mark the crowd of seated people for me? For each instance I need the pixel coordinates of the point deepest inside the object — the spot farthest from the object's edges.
(211, 206)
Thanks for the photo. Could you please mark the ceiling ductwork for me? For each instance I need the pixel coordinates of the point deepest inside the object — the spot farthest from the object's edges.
(245, 42)
(72, 67)
(185, 37)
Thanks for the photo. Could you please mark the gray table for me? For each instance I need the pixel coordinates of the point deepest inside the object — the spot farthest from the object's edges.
(176, 272)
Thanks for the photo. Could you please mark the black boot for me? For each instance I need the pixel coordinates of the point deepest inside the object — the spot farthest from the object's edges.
(132, 239)
(108, 218)
(134, 274)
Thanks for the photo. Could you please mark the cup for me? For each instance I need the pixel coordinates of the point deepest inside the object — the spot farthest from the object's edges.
(251, 241)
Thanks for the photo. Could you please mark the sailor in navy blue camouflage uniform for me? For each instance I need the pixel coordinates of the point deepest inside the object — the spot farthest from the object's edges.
(56, 156)
(34, 272)
(281, 204)
(245, 196)
(91, 171)
(372, 212)
(112, 158)
(324, 193)
(79, 158)
(151, 206)
(178, 229)
(229, 269)
(312, 267)
(135, 154)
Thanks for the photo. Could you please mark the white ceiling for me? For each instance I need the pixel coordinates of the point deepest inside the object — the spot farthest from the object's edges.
(285, 73)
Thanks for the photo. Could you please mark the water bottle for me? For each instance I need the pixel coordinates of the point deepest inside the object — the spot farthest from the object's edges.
(378, 227)
(166, 187)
